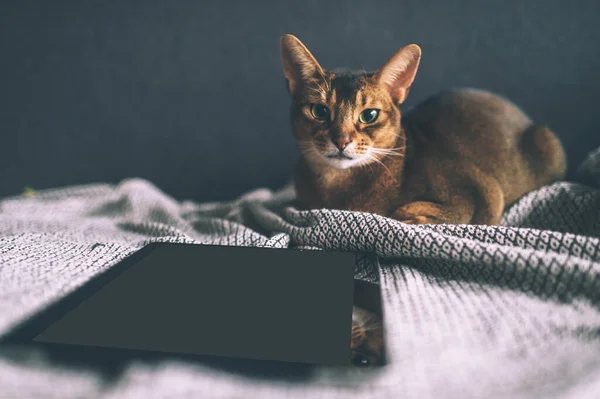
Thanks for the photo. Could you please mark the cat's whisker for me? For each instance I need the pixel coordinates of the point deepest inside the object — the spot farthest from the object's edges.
(364, 161)
(315, 81)
(319, 95)
(322, 91)
(367, 329)
(386, 152)
(374, 158)
(370, 165)
(317, 91)
(371, 326)
(396, 148)
(367, 160)
(383, 155)
(326, 83)
(389, 149)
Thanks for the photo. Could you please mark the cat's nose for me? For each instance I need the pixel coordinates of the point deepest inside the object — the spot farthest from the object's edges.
(342, 142)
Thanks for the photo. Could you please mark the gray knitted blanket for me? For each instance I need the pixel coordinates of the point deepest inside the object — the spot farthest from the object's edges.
(470, 311)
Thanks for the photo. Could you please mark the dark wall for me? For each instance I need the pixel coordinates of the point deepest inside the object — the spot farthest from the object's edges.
(190, 95)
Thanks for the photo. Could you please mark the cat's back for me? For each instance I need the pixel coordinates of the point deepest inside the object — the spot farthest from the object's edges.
(481, 133)
(468, 113)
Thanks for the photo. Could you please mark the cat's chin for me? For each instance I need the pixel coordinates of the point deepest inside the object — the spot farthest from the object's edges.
(321, 161)
(338, 163)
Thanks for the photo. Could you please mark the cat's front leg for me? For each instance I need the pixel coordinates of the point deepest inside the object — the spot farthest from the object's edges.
(425, 212)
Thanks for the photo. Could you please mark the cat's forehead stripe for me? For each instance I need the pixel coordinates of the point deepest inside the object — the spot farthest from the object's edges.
(347, 85)
(331, 96)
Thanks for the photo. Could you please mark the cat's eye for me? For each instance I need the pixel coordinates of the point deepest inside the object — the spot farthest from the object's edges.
(360, 360)
(319, 111)
(368, 116)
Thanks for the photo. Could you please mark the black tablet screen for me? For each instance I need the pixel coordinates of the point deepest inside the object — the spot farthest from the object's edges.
(257, 303)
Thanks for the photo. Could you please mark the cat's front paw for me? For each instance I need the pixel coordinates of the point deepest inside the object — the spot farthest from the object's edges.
(420, 212)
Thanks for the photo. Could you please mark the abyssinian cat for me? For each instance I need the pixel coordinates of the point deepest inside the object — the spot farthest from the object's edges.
(460, 157)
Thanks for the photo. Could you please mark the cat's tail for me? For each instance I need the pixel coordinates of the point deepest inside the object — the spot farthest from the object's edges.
(544, 154)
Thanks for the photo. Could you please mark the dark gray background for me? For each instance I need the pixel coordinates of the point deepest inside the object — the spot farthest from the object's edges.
(190, 95)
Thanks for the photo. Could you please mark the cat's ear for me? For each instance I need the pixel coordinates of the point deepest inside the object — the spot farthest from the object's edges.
(399, 72)
(298, 63)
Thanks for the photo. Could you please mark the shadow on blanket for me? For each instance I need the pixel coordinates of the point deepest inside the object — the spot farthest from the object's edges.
(110, 364)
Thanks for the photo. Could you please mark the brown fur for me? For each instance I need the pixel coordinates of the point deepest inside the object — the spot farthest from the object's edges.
(460, 157)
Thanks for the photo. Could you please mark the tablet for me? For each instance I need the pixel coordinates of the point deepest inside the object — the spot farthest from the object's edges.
(237, 302)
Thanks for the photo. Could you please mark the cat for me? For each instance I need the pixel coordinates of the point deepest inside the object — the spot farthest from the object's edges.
(367, 338)
(459, 157)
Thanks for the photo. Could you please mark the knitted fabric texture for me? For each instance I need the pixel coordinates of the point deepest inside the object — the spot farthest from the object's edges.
(469, 311)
